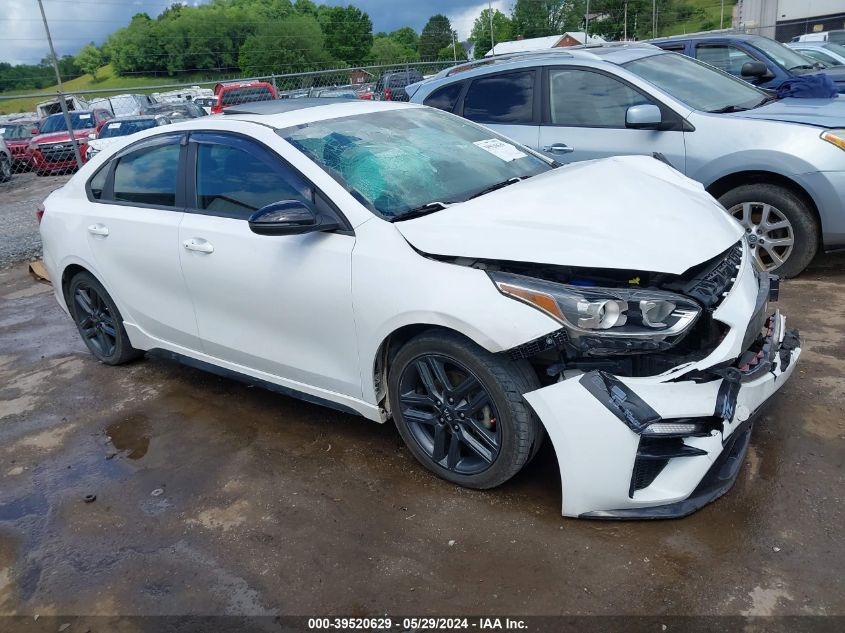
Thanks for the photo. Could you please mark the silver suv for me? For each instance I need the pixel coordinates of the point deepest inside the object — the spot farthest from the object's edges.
(778, 166)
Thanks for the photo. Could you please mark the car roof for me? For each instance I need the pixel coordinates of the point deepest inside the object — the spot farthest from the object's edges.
(745, 37)
(134, 117)
(282, 113)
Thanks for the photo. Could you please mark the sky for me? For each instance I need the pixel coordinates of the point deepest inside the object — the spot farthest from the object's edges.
(73, 23)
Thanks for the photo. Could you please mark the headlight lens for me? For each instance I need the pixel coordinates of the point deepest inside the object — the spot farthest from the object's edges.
(836, 137)
(607, 312)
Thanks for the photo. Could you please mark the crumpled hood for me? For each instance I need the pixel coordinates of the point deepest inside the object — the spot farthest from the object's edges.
(827, 113)
(625, 212)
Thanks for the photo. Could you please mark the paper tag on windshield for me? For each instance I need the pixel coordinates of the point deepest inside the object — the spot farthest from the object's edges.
(2, 131)
(500, 149)
(84, 116)
(114, 126)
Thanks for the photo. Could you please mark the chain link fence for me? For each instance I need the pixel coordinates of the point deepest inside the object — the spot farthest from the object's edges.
(63, 131)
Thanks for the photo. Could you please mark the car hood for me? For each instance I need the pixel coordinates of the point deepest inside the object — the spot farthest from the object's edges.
(57, 137)
(821, 112)
(625, 212)
(101, 143)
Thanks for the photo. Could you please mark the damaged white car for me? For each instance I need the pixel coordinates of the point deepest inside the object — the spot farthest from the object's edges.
(399, 262)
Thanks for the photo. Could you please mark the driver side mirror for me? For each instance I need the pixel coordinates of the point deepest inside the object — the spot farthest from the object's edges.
(643, 117)
(755, 70)
(289, 217)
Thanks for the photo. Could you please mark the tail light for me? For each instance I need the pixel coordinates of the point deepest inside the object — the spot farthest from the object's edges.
(39, 212)
(216, 109)
(387, 94)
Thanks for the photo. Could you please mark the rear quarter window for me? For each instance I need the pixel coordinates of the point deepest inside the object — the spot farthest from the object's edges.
(445, 98)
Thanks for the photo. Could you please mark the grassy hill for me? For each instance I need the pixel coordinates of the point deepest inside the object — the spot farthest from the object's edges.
(710, 21)
(106, 79)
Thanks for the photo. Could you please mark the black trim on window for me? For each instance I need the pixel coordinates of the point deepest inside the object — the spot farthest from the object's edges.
(672, 121)
(321, 201)
(107, 197)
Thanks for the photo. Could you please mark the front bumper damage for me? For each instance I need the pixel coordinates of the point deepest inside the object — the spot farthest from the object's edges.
(597, 422)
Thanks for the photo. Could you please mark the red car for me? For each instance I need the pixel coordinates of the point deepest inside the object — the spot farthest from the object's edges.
(245, 92)
(17, 135)
(52, 150)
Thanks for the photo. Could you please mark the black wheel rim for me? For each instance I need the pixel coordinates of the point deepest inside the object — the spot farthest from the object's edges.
(450, 414)
(96, 322)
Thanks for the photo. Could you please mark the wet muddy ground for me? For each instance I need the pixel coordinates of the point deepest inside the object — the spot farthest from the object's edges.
(213, 497)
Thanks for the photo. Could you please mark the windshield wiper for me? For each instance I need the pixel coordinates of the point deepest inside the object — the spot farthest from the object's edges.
(728, 109)
(803, 67)
(495, 186)
(764, 101)
(423, 209)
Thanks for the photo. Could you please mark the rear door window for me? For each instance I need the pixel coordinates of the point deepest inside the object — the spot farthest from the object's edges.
(445, 98)
(149, 176)
(502, 98)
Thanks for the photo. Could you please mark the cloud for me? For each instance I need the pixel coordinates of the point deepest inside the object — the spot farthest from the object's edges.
(463, 20)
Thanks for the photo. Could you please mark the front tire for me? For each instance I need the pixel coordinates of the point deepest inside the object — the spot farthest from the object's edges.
(460, 410)
(782, 230)
(98, 321)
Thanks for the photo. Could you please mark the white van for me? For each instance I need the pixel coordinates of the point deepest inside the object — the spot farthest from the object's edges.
(124, 105)
(54, 106)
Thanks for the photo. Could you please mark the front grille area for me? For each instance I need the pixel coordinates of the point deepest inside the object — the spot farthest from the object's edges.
(714, 280)
(654, 453)
(57, 153)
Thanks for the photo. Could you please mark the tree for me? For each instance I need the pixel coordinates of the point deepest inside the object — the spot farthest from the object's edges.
(294, 44)
(480, 35)
(386, 50)
(89, 59)
(454, 52)
(348, 33)
(407, 37)
(539, 18)
(436, 34)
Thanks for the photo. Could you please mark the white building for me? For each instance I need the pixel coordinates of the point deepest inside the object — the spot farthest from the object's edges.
(570, 38)
(785, 19)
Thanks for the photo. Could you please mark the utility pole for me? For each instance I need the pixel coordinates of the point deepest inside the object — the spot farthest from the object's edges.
(653, 18)
(587, 24)
(454, 47)
(722, 16)
(625, 36)
(490, 13)
(60, 92)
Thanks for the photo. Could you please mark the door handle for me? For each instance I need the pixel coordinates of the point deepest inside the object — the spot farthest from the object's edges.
(98, 229)
(198, 244)
(558, 148)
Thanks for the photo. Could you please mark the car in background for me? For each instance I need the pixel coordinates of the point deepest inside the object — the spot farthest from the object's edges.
(777, 165)
(124, 104)
(18, 135)
(334, 92)
(229, 94)
(52, 149)
(391, 86)
(837, 37)
(73, 103)
(5, 162)
(119, 127)
(826, 52)
(756, 59)
(205, 103)
(365, 92)
(263, 244)
(176, 111)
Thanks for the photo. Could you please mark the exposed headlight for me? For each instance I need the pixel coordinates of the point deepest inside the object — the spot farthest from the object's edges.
(588, 312)
(837, 137)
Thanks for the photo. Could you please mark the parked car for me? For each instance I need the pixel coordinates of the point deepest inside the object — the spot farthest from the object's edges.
(18, 135)
(205, 103)
(52, 149)
(365, 92)
(73, 103)
(334, 92)
(391, 86)
(776, 165)
(117, 128)
(836, 36)
(825, 52)
(123, 104)
(176, 111)
(5, 162)
(394, 261)
(756, 59)
(241, 92)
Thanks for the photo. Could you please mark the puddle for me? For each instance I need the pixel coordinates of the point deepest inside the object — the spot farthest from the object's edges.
(19, 508)
(130, 435)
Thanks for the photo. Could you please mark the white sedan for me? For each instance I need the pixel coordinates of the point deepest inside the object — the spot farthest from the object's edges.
(398, 262)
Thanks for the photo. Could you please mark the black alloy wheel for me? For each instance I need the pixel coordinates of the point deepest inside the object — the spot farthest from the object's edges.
(450, 414)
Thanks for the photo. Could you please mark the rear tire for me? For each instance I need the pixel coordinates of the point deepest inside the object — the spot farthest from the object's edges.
(98, 321)
(771, 212)
(460, 410)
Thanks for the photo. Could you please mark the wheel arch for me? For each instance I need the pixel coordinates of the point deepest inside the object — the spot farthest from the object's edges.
(725, 183)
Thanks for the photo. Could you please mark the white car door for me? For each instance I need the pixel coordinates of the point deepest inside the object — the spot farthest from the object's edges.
(584, 119)
(276, 304)
(507, 102)
(132, 226)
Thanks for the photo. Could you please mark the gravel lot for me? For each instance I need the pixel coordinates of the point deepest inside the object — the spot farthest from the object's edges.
(19, 239)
